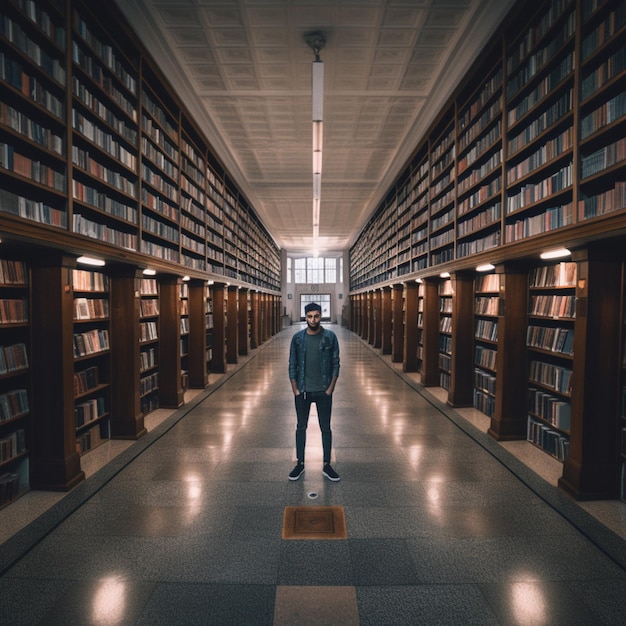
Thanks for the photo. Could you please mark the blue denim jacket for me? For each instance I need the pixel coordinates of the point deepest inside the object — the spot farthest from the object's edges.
(329, 357)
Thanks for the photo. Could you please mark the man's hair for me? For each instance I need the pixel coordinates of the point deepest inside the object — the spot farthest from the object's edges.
(312, 306)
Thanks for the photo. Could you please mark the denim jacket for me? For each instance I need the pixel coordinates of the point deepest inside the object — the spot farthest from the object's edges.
(329, 358)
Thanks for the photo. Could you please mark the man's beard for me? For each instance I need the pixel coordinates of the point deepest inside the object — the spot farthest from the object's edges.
(313, 325)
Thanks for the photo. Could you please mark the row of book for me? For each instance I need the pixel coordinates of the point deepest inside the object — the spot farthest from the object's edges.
(484, 381)
(13, 445)
(13, 404)
(554, 306)
(485, 305)
(604, 158)
(89, 411)
(31, 169)
(89, 440)
(548, 439)
(13, 273)
(32, 209)
(13, 311)
(148, 331)
(85, 380)
(607, 202)
(553, 376)
(91, 309)
(103, 202)
(85, 280)
(557, 275)
(553, 339)
(148, 384)
(20, 123)
(486, 329)
(484, 402)
(147, 359)
(551, 409)
(13, 358)
(9, 487)
(485, 357)
(91, 342)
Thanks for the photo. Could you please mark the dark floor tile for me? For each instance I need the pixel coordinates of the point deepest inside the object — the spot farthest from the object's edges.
(236, 605)
(26, 601)
(432, 604)
(109, 600)
(315, 563)
(382, 562)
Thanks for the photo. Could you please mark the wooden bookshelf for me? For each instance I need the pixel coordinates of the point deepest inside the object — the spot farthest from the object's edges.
(92, 359)
(527, 155)
(15, 426)
(550, 343)
(445, 332)
(183, 290)
(486, 311)
(149, 344)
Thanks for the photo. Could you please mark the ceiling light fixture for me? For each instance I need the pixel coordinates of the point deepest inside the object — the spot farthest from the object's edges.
(316, 41)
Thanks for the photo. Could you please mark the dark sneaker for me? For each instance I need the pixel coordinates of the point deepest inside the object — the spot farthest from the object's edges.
(296, 472)
(330, 473)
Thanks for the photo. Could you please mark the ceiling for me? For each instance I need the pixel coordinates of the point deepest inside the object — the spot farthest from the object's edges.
(243, 69)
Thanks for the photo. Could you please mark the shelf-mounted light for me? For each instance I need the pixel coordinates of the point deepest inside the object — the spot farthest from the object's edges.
(89, 260)
(149, 272)
(557, 253)
(485, 267)
(444, 275)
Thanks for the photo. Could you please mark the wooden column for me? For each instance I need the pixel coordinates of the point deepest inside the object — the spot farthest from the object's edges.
(198, 374)
(411, 292)
(218, 362)
(397, 323)
(365, 315)
(171, 393)
(371, 319)
(244, 323)
(591, 471)
(461, 391)
(254, 320)
(430, 334)
(377, 339)
(510, 414)
(126, 417)
(54, 460)
(386, 320)
(232, 325)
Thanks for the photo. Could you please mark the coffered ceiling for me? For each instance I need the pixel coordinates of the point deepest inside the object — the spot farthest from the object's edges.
(244, 71)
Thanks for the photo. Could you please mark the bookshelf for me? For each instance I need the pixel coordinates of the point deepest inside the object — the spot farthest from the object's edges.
(149, 345)
(550, 342)
(92, 359)
(486, 311)
(14, 380)
(445, 332)
(184, 333)
(209, 324)
(526, 156)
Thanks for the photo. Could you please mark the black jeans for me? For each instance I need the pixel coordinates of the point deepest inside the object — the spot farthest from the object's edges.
(324, 404)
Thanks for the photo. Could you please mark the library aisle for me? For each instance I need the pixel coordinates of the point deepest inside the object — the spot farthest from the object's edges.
(186, 527)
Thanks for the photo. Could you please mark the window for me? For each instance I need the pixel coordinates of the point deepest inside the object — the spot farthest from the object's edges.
(315, 270)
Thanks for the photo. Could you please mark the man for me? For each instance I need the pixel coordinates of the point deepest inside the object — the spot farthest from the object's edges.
(313, 371)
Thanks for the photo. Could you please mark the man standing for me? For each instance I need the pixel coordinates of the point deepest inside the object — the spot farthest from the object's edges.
(313, 371)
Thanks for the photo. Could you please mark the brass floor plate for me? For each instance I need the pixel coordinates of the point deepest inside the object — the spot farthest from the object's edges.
(314, 522)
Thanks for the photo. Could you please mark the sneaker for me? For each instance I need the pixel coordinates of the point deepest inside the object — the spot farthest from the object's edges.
(296, 472)
(330, 473)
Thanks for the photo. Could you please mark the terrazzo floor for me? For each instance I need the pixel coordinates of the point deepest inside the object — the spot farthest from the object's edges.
(442, 525)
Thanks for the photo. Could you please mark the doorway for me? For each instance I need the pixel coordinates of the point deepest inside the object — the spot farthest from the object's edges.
(323, 299)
